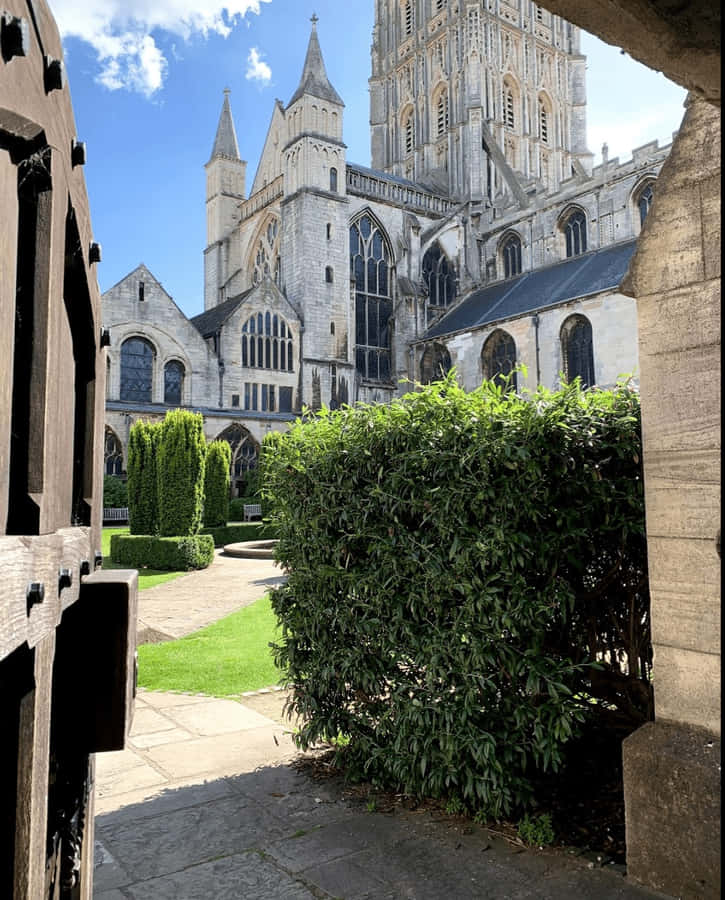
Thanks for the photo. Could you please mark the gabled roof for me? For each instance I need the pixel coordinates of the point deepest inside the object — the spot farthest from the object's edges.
(314, 79)
(581, 276)
(209, 322)
(225, 142)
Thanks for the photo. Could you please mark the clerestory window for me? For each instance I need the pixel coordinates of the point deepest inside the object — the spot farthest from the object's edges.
(575, 234)
(439, 277)
(267, 343)
(511, 255)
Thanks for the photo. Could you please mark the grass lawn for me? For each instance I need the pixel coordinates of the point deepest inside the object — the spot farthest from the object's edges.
(146, 577)
(223, 659)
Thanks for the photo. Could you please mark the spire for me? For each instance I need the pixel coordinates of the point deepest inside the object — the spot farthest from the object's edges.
(314, 79)
(225, 143)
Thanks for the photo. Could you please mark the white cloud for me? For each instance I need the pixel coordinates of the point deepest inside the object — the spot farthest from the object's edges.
(631, 130)
(256, 69)
(120, 31)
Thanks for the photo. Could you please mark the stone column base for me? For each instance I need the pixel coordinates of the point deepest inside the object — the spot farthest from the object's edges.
(672, 809)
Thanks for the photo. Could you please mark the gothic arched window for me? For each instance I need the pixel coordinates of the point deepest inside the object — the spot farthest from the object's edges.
(644, 201)
(245, 456)
(575, 233)
(370, 261)
(333, 180)
(265, 262)
(434, 365)
(439, 277)
(113, 453)
(511, 256)
(173, 382)
(137, 370)
(267, 343)
(577, 350)
(498, 359)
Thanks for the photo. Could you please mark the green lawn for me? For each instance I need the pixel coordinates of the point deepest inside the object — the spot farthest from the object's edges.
(146, 577)
(224, 659)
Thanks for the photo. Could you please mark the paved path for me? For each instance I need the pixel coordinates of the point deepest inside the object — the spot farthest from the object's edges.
(203, 805)
(192, 601)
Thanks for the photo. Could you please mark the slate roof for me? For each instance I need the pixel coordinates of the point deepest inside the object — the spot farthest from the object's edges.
(225, 142)
(209, 322)
(581, 276)
(314, 79)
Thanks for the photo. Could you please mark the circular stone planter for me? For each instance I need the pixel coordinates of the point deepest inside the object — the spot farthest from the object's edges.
(252, 549)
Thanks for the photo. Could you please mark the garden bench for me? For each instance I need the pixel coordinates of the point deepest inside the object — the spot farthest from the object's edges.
(115, 514)
(251, 510)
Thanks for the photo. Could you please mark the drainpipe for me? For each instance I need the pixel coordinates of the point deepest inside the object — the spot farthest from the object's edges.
(535, 320)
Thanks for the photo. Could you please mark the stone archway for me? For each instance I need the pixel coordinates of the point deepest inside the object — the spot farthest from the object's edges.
(245, 457)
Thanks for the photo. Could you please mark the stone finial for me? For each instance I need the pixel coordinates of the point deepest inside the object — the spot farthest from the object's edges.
(605, 153)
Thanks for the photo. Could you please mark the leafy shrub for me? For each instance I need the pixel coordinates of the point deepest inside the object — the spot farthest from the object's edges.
(180, 473)
(217, 483)
(235, 534)
(457, 564)
(143, 512)
(172, 554)
(536, 831)
(115, 492)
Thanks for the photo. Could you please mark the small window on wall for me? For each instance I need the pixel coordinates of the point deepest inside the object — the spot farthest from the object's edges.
(511, 255)
(575, 234)
(498, 360)
(141, 292)
(285, 399)
(235, 400)
(333, 180)
(644, 201)
(329, 275)
(577, 350)
(329, 231)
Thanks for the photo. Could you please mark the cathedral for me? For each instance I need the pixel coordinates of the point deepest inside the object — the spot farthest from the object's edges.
(481, 238)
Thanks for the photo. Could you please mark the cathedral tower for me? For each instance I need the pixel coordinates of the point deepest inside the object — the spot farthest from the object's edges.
(477, 99)
(225, 189)
(315, 241)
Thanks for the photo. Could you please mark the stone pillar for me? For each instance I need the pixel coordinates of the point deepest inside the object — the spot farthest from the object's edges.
(672, 765)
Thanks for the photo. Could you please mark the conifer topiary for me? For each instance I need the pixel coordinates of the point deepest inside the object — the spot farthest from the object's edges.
(141, 485)
(217, 484)
(180, 473)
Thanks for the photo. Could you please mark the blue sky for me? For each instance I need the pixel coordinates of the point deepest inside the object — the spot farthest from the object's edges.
(147, 82)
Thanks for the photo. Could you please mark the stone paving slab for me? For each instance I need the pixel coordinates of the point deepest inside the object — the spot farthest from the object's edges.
(241, 828)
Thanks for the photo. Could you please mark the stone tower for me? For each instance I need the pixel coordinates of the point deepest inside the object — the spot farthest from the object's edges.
(314, 244)
(477, 99)
(226, 175)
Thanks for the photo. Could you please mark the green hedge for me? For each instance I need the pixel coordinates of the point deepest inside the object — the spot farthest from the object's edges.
(180, 465)
(217, 484)
(456, 564)
(143, 508)
(172, 554)
(235, 534)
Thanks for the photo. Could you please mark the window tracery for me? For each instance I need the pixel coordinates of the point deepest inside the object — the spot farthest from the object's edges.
(266, 261)
(575, 233)
(498, 360)
(435, 364)
(113, 453)
(245, 455)
(370, 264)
(644, 201)
(173, 382)
(439, 277)
(267, 343)
(577, 350)
(137, 369)
(511, 256)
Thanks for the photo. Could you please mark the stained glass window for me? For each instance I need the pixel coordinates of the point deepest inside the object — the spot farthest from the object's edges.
(498, 359)
(511, 253)
(439, 277)
(370, 272)
(267, 343)
(575, 232)
(137, 369)
(577, 350)
(173, 382)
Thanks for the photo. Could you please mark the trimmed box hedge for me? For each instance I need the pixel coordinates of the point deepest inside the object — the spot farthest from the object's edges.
(235, 534)
(172, 554)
